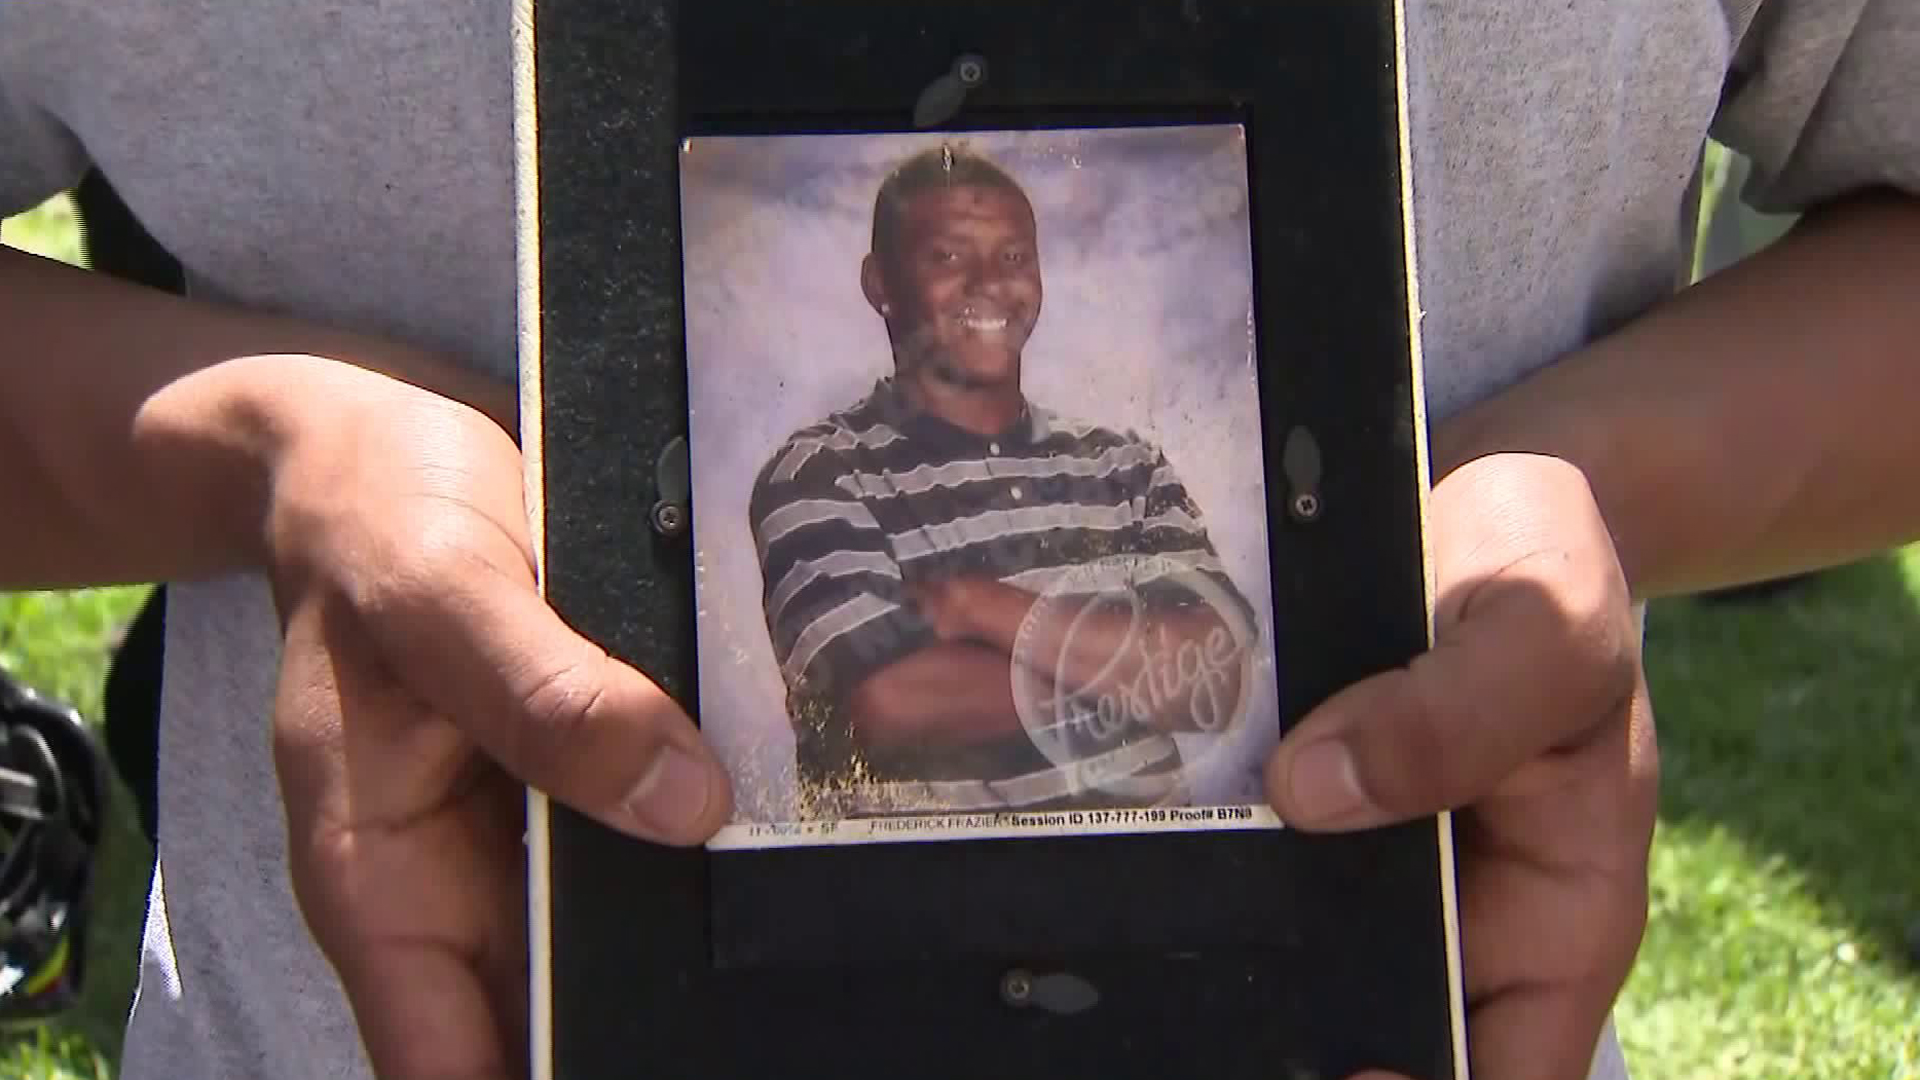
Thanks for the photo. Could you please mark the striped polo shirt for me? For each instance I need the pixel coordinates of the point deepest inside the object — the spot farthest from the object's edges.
(849, 512)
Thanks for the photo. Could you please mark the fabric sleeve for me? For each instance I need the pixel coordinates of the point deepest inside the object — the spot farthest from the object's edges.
(1172, 525)
(39, 157)
(1824, 98)
(831, 589)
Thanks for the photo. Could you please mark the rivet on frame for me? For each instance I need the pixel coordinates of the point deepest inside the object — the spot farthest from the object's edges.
(1300, 461)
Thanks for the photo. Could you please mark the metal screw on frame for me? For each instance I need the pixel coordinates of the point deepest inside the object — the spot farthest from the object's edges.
(1016, 987)
(1061, 993)
(1300, 460)
(942, 98)
(673, 486)
(669, 519)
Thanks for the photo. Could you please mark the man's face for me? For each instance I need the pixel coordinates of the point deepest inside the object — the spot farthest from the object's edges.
(961, 290)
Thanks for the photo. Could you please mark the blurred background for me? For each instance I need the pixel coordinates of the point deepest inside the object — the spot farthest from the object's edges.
(1786, 870)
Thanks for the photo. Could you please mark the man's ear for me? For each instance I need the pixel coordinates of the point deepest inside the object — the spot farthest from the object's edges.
(874, 284)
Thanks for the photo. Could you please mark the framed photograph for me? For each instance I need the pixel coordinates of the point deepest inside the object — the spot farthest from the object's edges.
(979, 523)
(996, 425)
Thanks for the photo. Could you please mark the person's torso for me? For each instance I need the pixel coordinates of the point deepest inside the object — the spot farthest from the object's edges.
(352, 163)
(1050, 503)
(1049, 494)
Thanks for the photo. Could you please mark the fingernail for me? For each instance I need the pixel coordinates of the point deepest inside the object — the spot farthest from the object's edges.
(1323, 785)
(672, 795)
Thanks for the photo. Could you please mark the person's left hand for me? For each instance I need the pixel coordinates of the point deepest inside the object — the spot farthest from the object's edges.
(424, 684)
(947, 605)
(1529, 716)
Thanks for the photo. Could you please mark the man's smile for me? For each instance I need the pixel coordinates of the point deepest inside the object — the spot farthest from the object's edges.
(983, 321)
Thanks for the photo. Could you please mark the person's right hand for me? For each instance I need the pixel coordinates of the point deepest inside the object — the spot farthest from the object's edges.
(1529, 718)
(424, 680)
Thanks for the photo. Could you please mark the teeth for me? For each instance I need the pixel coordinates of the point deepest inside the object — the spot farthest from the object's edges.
(984, 325)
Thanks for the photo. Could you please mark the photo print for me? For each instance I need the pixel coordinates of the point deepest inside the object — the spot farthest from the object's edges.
(979, 509)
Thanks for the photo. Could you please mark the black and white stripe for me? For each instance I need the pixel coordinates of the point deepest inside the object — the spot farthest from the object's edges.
(849, 512)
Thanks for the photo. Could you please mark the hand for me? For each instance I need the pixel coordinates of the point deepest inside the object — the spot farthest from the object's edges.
(948, 605)
(1530, 717)
(424, 681)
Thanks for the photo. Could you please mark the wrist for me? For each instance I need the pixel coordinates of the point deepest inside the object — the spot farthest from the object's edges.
(993, 611)
(141, 449)
(1525, 419)
(208, 445)
(255, 448)
(1562, 412)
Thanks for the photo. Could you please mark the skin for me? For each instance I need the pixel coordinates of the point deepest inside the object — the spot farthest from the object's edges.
(424, 679)
(960, 297)
(1759, 424)
(960, 294)
(1098, 653)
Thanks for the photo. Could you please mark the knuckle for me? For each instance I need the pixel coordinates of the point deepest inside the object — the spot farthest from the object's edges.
(413, 575)
(1643, 763)
(579, 737)
(561, 713)
(562, 704)
(1418, 764)
(1621, 931)
(1598, 636)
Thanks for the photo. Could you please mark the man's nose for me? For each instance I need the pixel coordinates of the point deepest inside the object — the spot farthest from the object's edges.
(987, 272)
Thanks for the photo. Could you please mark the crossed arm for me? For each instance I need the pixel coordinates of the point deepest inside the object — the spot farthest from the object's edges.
(1151, 657)
(959, 689)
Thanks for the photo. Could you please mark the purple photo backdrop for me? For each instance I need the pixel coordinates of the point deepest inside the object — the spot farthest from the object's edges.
(1147, 324)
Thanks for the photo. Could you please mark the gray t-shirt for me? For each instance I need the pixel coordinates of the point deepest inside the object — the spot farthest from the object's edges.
(351, 163)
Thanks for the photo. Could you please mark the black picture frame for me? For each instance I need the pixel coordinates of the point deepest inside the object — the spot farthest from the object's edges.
(1218, 954)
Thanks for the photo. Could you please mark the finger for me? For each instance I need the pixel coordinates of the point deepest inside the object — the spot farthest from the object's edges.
(476, 641)
(425, 1014)
(1574, 856)
(396, 863)
(1534, 1034)
(505, 961)
(1544, 1032)
(1530, 922)
(433, 964)
(1528, 670)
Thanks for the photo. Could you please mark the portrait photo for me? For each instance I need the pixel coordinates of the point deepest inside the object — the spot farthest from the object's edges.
(979, 507)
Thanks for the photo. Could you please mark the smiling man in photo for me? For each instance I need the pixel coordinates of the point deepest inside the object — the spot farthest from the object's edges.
(976, 603)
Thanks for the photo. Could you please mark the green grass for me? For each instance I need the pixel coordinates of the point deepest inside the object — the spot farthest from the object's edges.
(1786, 872)
(50, 229)
(58, 643)
(1786, 869)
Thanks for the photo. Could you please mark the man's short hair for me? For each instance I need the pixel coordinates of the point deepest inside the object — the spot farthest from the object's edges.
(942, 166)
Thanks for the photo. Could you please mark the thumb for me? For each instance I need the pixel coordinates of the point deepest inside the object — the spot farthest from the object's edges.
(1528, 673)
(483, 648)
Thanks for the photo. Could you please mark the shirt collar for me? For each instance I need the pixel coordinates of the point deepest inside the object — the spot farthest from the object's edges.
(896, 412)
